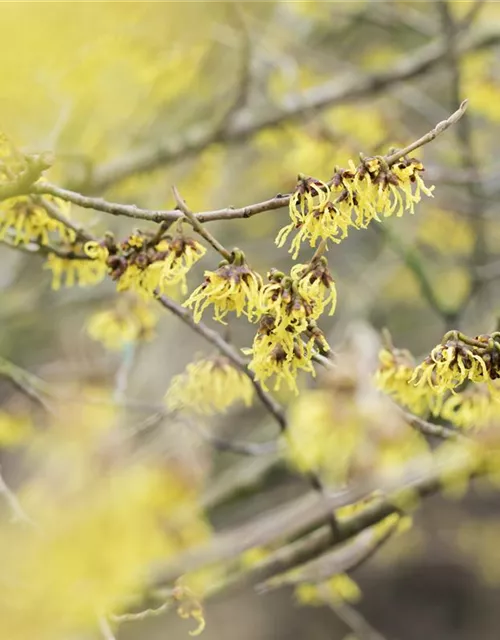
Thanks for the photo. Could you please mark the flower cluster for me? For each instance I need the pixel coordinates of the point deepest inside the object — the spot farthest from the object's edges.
(287, 334)
(209, 386)
(396, 367)
(476, 407)
(352, 198)
(128, 322)
(23, 220)
(148, 265)
(144, 263)
(458, 359)
(71, 271)
(231, 287)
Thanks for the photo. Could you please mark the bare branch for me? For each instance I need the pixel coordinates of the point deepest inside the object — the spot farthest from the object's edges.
(198, 227)
(429, 136)
(18, 513)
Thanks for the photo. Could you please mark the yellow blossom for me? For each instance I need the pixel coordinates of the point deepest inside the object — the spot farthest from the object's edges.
(232, 287)
(92, 514)
(124, 324)
(316, 285)
(323, 434)
(325, 211)
(181, 254)
(339, 588)
(475, 408)
(14, 429)
(340, 435)
(189, 606)
(448, 366)
(271, 358)
(144, 281)
(209, 386)
(393, 375)
(23, 220)
(72, 271)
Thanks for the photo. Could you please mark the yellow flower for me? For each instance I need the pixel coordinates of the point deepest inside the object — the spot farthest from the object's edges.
(325, 211)
(22, 220)
(475, 408)
(448, 366)
(341, 434)
(393, 376)
(323, 434)
(181, 254)
(189, 606)
(68, 271)
(232, 287)
(339, 588)
(272, 358)
(14, 429)
(209, 386)
(316, 285)
(145, 281)
(98, 528)
(126, 323)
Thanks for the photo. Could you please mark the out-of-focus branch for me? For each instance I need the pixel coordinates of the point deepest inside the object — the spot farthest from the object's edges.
(463, 133)
(351, 617)
(305, 514)
(28, 383)
(430, 429)
(347, 558)
(293, 108)
(18, 513)
(429, 136)
(413, 262)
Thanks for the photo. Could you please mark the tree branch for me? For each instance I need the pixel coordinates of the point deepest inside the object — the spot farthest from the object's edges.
(225, 348)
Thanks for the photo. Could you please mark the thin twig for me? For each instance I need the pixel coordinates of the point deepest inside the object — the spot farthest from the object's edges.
(430, 429)
(105, 629)
(18, 513)
(198, 227)
(225, 348)
(54, 212)
(429, 136)
(28, 383)
(358, 624)
(139, 616)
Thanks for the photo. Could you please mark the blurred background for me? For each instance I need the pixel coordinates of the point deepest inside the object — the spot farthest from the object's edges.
(229, 101)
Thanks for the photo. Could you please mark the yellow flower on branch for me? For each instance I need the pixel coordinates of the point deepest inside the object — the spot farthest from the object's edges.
(272, 358)
(73, 271)
(181, 254)
(352, 198)
(209, 386)
(128, 322)
(476, 407)
(231, 287)
(396, 367)
(23, 220)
